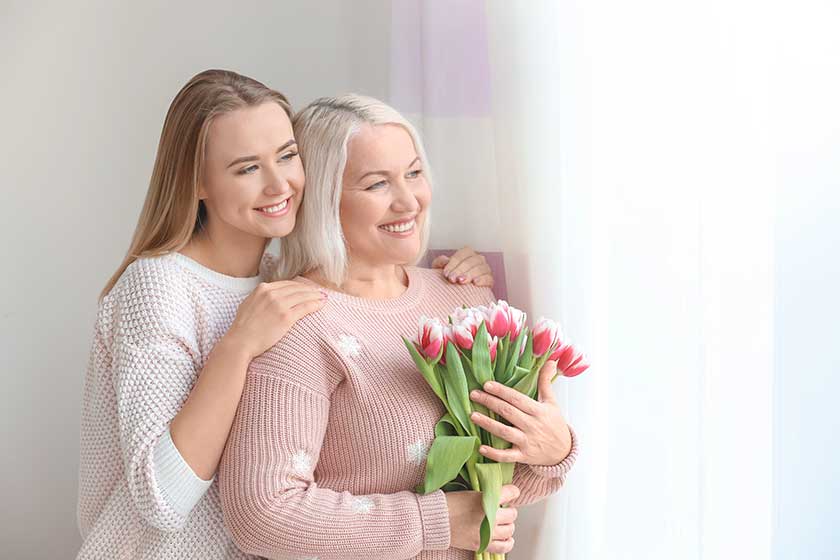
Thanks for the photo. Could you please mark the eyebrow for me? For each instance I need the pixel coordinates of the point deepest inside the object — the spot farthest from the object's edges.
(256, 158)
(382, 172)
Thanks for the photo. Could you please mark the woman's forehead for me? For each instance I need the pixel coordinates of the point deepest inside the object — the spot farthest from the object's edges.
(380, 147)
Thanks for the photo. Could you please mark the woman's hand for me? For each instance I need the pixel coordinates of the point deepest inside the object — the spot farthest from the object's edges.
(466, 514)
(538, 432)
(465, 266)
(267, 314)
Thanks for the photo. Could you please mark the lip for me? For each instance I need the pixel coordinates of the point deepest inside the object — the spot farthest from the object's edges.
(400, 234)
(399, 222)
(279, 214)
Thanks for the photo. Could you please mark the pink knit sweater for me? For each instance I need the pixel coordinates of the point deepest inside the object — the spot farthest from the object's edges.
(331, 434)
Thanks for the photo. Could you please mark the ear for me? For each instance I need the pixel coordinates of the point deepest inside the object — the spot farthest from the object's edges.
(202, 192)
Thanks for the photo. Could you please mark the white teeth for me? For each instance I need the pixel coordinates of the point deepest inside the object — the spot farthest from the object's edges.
(399, 228)
(276, 208)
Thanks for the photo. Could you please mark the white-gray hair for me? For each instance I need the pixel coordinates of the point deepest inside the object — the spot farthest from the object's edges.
(323, 130)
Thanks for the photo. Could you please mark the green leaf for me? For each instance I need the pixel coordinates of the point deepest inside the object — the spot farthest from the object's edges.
(528, 384)
(455, 486)
(481, 365)
(518, 374)
(446, 426)
(472, 382)
(427, 370)
(457, 394)
(501, 357)
(445, 459)
(527, 358)
(513, 357)
(490, 478)
(507, 472)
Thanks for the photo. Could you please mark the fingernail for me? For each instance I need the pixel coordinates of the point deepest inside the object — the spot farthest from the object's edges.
(474, 415)
(482, 449)
(461, 279)
(489, 385)
(474, 394)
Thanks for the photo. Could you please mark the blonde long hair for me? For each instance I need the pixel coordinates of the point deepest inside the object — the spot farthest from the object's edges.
(323, 130)
(172, 213)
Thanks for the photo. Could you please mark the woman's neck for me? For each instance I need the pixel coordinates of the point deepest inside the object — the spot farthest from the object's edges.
(239, 258)
(369, 281)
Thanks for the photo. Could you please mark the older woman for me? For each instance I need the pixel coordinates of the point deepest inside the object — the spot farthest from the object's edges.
(330, 437)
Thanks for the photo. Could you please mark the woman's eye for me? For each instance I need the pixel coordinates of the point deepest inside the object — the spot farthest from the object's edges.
(287, 156)
(414, 174)
(248, 170)
(376, 186)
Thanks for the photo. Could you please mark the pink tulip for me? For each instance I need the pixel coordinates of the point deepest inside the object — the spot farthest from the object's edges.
(432, 339)
(499, 319)
(546, 335)
(463, 336)
(469, 318)
(570, 361)
(517, 321)
(494, 343)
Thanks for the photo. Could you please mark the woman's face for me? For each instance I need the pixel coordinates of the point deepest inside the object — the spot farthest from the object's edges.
(253, 178)
(385, 196)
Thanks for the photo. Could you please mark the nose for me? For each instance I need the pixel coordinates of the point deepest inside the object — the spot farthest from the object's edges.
(405, 200)
(276, 182)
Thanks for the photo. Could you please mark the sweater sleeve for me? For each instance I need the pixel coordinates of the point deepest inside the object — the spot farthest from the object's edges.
(537, 482)
(271, 500)
(151, 383)
(155, 362)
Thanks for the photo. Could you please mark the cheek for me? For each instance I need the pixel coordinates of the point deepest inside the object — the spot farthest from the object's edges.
(358, 212)
(298, 177)
(233, 199)
(424, 195)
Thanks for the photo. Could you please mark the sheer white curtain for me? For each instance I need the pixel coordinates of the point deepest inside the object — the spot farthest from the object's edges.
(619, 154)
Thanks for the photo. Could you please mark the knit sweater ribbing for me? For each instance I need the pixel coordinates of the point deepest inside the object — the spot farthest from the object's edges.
(330, 437)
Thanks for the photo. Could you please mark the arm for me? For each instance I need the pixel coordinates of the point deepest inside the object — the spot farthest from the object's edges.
(271, 501)
(539, 481)
(173, 427)
(151, 380)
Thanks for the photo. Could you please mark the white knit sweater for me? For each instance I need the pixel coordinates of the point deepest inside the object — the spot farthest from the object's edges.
(138, 498)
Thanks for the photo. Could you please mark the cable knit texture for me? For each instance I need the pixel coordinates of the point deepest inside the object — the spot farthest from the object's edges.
(330, 437)
(138, 498)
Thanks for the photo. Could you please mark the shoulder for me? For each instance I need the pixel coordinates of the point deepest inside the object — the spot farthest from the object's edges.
(466, 294)
(154, 296)
(304, 356)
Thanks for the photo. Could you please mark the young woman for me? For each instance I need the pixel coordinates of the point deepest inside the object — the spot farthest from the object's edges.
(330, 437)
(183, 316)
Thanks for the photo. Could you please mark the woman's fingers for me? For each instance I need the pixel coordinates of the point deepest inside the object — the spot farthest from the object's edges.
(456, 257)
(484, 281)
(500, 547)
(303, 309)
(508, 493)
(508, 411)
(503, 532)
(506, 515)
(508, 394)
(468, 268)
(289, 300)
(547, 373)
(507, 433)
(512, 455)
(440, 261)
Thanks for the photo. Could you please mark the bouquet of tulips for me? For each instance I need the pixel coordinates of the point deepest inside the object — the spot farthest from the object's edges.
(478, 345)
